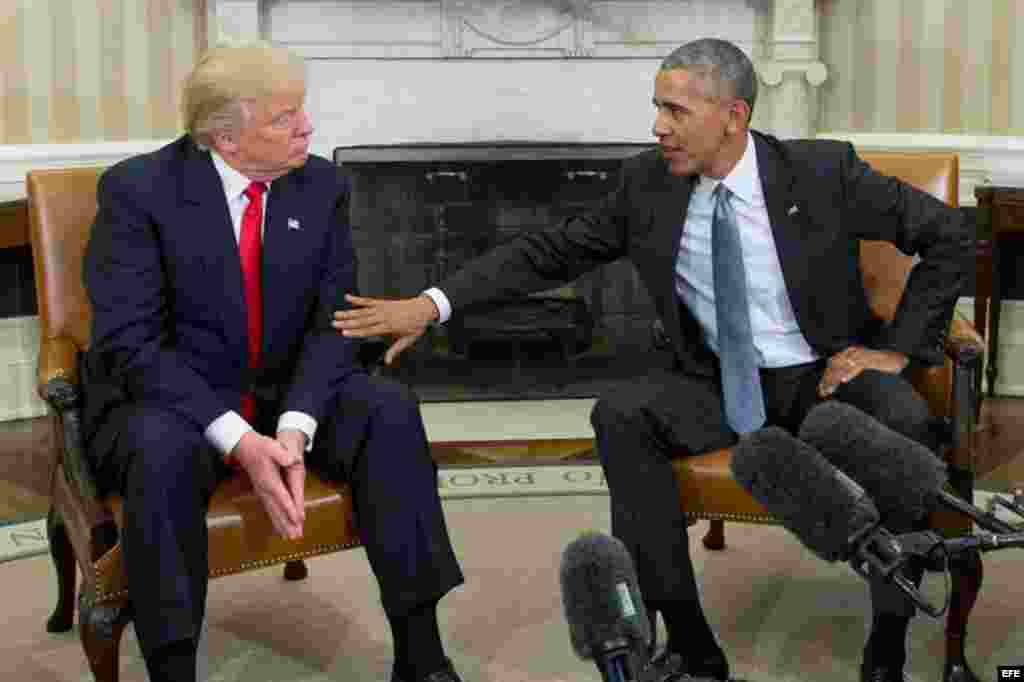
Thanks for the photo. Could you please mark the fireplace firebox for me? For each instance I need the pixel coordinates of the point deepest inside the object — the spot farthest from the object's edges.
(419, 211)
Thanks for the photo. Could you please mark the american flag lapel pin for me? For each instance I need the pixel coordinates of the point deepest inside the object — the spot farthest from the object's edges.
(293, 224)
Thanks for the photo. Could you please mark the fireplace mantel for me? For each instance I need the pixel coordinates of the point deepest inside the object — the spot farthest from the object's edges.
(446, 48)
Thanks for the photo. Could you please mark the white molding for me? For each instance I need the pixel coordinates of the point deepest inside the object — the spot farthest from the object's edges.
(984, 159)
(18, 159)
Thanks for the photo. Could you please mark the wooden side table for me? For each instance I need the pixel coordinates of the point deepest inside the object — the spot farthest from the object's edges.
(13, 223)
(1003, 209)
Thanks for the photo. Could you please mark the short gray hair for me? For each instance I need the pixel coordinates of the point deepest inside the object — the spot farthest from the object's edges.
(725, 68)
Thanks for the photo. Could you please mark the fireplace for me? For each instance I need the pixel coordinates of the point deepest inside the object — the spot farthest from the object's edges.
(422, 79)
(419, 211)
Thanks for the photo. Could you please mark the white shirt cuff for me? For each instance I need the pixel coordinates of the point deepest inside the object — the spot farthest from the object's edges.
(300, 421)
(225, 431)
(444, 308)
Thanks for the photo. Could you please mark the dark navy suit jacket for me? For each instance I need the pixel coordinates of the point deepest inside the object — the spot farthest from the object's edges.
(164, 279)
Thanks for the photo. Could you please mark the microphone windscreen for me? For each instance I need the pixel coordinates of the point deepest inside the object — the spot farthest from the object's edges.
(601, 597)
(899, 474)
(819, 504)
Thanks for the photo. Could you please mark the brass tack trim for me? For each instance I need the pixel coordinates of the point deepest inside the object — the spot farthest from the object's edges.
(103, 596)
(730, 516)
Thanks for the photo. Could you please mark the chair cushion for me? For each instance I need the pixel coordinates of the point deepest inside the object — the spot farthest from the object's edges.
(707, 490)
(241, 536)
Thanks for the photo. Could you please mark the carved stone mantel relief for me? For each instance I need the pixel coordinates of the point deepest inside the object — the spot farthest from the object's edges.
(780, 35)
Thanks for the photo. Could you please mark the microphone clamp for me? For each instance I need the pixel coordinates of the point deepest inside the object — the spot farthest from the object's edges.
(1014, 504)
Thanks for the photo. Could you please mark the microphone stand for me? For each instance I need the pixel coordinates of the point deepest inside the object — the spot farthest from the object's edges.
(1015, 505)
(877, 552)
(986, 520)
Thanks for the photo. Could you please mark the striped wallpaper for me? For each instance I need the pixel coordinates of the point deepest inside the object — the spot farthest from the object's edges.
(944, 66)
(91, 70)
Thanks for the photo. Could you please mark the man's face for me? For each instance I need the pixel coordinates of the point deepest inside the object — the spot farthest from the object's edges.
(274, 138)
(697, 131)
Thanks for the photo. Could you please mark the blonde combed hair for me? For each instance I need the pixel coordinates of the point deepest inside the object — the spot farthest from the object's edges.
(225, 77)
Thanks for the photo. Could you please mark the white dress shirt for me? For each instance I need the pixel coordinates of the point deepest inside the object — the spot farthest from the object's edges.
(225, 431)
(777, 337)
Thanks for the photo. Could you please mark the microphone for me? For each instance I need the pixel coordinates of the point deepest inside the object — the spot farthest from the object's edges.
(602, 604)
(836, 519)
(828, 511)
(903, 477)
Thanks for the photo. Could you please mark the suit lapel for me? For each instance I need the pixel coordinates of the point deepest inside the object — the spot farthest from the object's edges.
(283, 234)
(785, 212)
(206, 213)
(670, 215)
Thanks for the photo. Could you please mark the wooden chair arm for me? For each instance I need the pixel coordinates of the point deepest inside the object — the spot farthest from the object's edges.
(966, 348)
(58, 370)
(59, 386)
(964, 343)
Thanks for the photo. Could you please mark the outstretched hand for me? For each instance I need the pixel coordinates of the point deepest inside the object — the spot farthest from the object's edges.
(405, 320)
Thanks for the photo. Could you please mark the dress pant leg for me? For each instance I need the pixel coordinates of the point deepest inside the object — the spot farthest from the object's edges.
(638, 425)
(893, 401)
(374, 438)
(166, 472)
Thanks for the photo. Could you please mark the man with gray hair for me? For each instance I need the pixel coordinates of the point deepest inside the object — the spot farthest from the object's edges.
(213, 267)
(749, 248)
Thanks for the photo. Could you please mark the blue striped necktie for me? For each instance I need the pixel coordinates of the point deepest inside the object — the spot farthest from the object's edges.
(741, 381)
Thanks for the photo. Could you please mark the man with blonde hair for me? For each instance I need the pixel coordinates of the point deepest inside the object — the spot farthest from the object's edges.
(213, 268)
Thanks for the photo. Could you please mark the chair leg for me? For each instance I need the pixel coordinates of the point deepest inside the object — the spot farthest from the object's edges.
(295, 570)
(967, 575)
(63, 556)
(100, 628)
(715, 537)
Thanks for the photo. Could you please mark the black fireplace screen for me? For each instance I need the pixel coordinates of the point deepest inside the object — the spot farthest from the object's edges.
(419, 211)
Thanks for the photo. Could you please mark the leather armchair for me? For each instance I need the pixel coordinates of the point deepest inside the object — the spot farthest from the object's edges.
(708, 491)
(82, 526)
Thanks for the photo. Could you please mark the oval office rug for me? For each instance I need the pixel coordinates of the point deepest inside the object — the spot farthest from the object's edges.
(782, 614)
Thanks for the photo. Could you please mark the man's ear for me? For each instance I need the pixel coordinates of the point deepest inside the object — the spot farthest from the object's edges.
(224, 142)
(739, 117)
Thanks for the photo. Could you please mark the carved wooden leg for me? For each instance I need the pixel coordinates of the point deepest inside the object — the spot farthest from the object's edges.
(63, 616)
(100, 628)
(295, 570)
(967, 575)
(715, 537)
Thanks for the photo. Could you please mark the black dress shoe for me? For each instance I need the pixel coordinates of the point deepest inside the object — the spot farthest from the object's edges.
(445, 674)
(669, 666)
(872, 673)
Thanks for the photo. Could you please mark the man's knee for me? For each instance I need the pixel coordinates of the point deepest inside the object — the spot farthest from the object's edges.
(613, 411)
(391, 402)
(894, 402)
(381, 410)
(161, 447)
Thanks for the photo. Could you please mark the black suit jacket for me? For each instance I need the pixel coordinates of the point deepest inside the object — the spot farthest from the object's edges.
(163, 275)
(839, 201)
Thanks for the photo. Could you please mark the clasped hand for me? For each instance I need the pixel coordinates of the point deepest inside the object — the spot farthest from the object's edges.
(278, 474)
(847, 365)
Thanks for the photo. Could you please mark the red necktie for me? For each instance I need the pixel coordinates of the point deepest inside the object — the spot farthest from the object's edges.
(250, 249)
